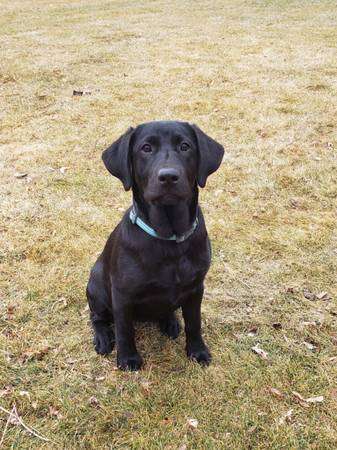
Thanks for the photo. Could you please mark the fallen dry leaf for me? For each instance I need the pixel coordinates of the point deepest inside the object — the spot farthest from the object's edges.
(10, 312)
(318, 399)
(252, 429)
(55, 413)
(71, 360)
(294, 203)
(312, 296)
(80, 93)
(334, 393)
(286, 418)
(305, 401)
(252, 331)
(301, 400)
(102, 378)
(310, 345)
(193, 423)
(275, 392)
(94, 402)
(35, 354)
(13, 420)
(25, 394)
(309, 324)
(146, 386)
(166, 421)
(290, 290)
(256, 349)
(6, 391)
(262, 133)
(309, 295)
(63, 300)
(21, 174)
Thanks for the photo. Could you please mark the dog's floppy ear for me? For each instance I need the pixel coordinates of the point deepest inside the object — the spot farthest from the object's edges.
(210, 155)
(116, 159)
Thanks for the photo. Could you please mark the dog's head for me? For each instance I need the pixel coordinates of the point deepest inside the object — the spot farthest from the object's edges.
(163, 160)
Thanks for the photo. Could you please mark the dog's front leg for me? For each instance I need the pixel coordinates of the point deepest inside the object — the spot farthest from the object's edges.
(196, 349)
(127, 356)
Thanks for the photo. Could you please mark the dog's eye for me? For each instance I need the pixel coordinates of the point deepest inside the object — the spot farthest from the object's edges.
(146, 148)
(184, 147)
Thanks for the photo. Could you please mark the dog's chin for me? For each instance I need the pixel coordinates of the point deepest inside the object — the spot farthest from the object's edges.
(166, 199)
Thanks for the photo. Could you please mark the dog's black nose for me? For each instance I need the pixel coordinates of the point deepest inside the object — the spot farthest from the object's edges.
(169, 175)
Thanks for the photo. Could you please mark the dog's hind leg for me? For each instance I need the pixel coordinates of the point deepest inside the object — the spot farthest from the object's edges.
(169, 326)
(100, 311)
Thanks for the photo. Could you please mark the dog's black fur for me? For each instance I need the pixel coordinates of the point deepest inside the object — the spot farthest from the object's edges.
(139, 277)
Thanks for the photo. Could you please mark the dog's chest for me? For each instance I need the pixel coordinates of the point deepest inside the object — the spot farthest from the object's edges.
(178, 273)
(176, 270)
(166, 283)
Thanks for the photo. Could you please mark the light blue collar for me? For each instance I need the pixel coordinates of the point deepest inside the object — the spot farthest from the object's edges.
(138, 221)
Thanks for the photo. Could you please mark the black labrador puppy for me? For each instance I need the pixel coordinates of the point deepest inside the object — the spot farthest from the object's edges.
(156, 259)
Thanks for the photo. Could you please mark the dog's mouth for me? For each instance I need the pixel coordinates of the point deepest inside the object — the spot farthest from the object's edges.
(167, 195)
(167, 199)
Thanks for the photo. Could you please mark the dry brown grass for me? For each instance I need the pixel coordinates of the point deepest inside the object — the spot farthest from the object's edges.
(260, 76)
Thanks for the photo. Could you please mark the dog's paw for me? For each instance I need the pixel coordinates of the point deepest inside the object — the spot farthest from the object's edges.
(201, 355)
(104, 342)
(170, 327)
(130, 362)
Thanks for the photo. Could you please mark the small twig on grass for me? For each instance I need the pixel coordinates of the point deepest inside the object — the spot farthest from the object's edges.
(6, 426)
(235, 276)
(243, 282)
(15, 415)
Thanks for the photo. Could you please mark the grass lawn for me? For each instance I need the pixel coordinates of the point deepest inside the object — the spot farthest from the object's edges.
(260, 77)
